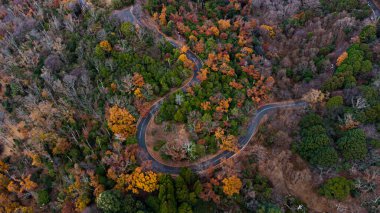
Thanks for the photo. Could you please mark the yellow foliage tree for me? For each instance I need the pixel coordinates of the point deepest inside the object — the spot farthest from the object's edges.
(36, 160)
(219, 133)
(138, 180)
(193, 38)
(186, 62)
(229, 143)
(270, 30)
(121, 122)
(81, 203)
(4, 181)
(138, 93)
(3, 166)
(341, 58)
(231, 185)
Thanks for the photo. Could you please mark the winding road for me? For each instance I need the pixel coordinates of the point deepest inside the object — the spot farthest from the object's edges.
(144, 121)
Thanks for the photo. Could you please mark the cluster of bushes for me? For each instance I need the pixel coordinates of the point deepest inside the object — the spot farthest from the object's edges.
(357, 63)
(161, 71)
(318, 148)
(359, 9)
(337, 188)
(177, 195)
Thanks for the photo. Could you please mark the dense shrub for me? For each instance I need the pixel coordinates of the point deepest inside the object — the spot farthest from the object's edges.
(315, 145)
(353, 145)
(336, 188)
(334, 102)
(368, 34)
(43, 197)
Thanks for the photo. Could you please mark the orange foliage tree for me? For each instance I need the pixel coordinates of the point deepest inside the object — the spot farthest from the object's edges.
(341, 58)
(184, 49)
(121, 122)
(27, 184)
(231, 185)
(206, 105)
(106, 46)
(202, 74)
(162, 16)
(138, 80)
(224, 105)
(199, 46)
(236, 85)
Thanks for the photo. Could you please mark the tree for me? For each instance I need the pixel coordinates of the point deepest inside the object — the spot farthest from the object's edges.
(315, 144)
(314, 96)
(128, 30)
(162, 16)
(138, 180)
(185, 208)
(353, 145)
(334, 102)
(179, 117)
(121, 122)
(229, 143)
(341, 58)
(182, 192)
(231, 185)
(368, 34)
(268, 208)
(202, 75)
(224, 105)
(106, 46)
(224, 24)
(43, 197)
(26, 184)
(130, 205)
(270, 30)
(3, 166)
(138, 80)
(166, 195)
(109, 201)
(325, 156)
(186, 62)
(206, 105)
(184, 49)
(336, 188)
